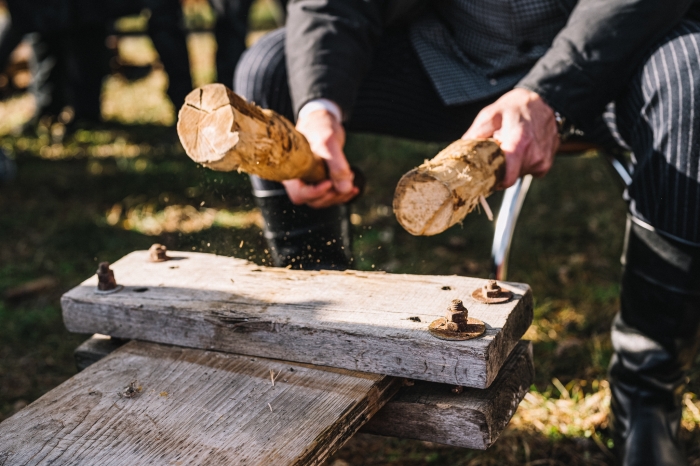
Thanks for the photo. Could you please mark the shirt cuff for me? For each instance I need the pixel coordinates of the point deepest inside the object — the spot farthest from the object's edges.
(321, 104)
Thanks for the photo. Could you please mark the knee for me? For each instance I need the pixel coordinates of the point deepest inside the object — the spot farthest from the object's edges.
(261, 69)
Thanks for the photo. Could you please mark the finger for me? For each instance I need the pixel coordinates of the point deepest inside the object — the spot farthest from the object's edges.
(485, 124)
(340, 172)
(514, 143)
(334, 199)
(302, 193)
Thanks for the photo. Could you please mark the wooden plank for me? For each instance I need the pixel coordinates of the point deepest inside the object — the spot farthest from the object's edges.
(472, 419)
(193, 407)
(429, 411)
(372, 322)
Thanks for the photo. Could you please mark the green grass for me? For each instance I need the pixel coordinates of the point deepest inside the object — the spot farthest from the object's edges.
(100, 194)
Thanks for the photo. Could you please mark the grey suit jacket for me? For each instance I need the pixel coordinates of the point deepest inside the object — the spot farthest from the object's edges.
(577, 55)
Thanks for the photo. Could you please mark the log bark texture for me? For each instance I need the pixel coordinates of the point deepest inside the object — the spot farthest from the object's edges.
(191, 407)
(224, 132)
(441, 192)
(369, 321)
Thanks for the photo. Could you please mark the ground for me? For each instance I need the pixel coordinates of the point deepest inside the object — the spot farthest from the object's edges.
(99, 194)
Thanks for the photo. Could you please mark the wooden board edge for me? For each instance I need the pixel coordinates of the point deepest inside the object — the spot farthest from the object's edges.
(500, 349)
(474, 419)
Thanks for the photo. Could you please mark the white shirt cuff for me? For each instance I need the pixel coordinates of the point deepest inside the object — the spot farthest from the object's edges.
(321, 104)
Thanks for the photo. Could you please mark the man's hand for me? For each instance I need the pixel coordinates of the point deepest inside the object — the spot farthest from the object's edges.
(525, 127)
(326, 137)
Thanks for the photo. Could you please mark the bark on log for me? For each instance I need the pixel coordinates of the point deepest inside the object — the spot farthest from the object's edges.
(224, 132)
(441, 192)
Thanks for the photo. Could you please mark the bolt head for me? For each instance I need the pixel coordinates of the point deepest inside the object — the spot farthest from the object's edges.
(491, 289)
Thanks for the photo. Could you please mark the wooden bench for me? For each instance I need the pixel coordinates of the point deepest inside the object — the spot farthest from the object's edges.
(254, 365)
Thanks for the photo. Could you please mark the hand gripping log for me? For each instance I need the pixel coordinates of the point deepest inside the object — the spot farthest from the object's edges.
(441, 192)
(224, 132)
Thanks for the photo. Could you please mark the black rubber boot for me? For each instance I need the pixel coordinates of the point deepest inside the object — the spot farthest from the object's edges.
(655, 337)
(302, 237)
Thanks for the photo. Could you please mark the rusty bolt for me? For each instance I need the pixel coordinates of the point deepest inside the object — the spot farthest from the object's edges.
(457, 316)
(105, 277)
(158, 253)
(457, 389)
(457, 312)
(491, 289)
(452, 326)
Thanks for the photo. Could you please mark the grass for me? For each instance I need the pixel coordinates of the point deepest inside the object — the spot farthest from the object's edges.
(100, 194)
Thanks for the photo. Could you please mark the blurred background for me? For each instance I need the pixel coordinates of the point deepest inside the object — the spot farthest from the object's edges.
(80, 187)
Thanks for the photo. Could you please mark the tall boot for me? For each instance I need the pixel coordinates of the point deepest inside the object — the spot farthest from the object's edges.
(655, 338)
(300, 236)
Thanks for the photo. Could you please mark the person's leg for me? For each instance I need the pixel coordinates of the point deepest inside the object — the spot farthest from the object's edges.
(230, 31)
(88, 65)
(396, 98)
(657, 332)
(298, 236)
(166, 30)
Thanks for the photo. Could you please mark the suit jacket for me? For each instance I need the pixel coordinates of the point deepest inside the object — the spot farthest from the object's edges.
(577, 55)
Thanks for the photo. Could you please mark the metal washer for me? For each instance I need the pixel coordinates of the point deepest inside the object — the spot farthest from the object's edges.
(476, 328)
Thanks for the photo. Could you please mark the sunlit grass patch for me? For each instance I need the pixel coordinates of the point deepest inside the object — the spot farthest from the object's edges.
(577, 411)
(179, 219)
(15, 112)
(139, 102)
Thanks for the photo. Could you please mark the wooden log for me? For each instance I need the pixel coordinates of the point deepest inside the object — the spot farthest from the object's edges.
(155, 404)
(224, 132)
(472, 419)
(429, 411)
(441, 192)
(369, 321)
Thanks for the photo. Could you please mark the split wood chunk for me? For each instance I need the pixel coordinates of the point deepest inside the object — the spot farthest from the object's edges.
(156, 404)
(368, 321)
(441, 192)
(224, 132)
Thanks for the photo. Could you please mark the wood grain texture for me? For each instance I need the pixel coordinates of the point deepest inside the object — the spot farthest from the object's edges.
(372, 322)
(442, 191)
(193, 407)
(429, 411)
(472, 419)
(224, 132)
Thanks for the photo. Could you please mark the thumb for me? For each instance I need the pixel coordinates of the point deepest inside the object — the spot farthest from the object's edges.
(340, 173)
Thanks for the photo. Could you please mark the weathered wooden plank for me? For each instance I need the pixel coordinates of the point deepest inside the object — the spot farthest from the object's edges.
(429, 411)
(472, 419)
(193, 407)
(372, 322)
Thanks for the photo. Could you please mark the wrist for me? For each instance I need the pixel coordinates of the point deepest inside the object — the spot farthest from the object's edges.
(321, 104)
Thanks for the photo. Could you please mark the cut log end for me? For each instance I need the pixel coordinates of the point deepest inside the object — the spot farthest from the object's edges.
(224, 132)
(440, 193)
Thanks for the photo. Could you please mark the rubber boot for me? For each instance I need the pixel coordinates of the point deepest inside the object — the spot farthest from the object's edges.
(302, 237)
(655, 338)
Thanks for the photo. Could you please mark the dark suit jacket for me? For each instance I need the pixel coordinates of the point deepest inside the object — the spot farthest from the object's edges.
(330, 42)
